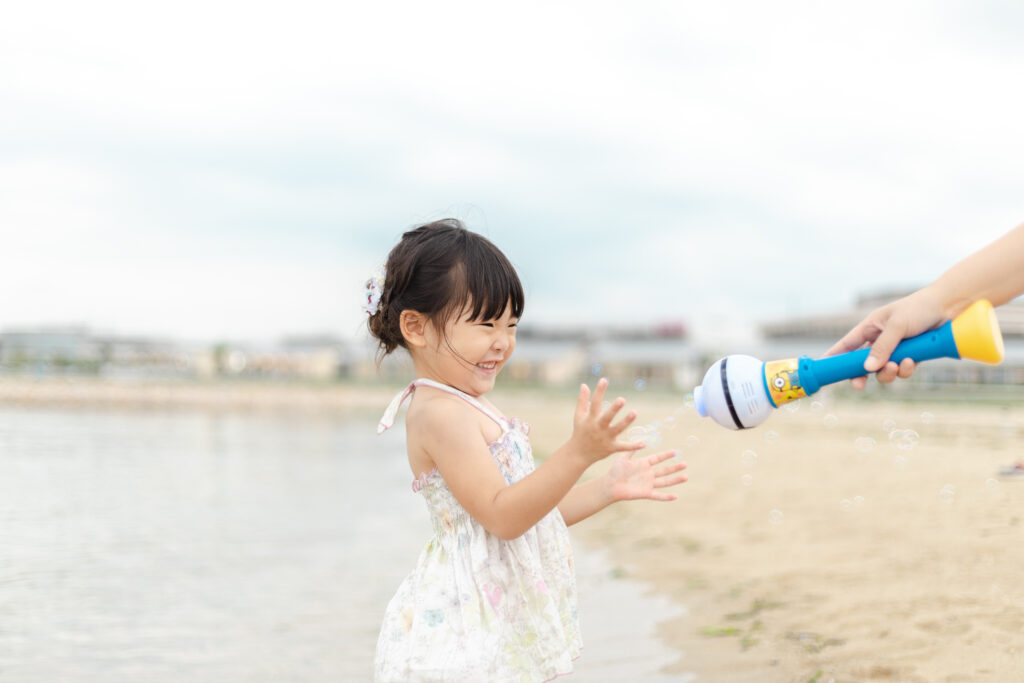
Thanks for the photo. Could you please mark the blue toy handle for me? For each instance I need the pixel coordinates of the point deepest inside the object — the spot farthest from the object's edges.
(816, 373)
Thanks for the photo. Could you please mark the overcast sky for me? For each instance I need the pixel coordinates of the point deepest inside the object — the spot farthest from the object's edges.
(236, 170)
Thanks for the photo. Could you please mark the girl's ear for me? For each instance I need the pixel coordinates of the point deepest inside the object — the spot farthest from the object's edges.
(413, 325)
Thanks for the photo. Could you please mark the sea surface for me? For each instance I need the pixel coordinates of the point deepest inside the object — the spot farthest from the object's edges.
(188, 546)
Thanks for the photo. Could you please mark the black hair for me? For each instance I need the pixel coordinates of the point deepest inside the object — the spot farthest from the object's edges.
(441, 269)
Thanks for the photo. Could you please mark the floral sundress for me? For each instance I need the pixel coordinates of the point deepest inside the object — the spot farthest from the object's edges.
(476, 607)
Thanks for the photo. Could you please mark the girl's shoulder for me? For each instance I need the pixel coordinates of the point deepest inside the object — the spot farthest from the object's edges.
(434, 410)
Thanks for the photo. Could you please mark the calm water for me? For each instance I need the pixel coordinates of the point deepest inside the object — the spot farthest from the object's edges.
(198, 547)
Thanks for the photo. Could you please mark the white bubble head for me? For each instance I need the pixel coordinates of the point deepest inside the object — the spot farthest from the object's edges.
(733, 394)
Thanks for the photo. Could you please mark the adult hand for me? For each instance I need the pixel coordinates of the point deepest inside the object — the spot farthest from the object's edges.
(884, 328)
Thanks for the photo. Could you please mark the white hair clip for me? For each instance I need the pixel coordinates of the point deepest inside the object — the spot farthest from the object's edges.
(374, 290)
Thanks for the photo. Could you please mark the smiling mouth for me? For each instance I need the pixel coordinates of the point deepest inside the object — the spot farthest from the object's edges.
(488, 366)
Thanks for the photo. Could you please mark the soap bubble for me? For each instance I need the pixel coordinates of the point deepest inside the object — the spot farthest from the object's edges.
(688, 401)
(775, 517)
(652, 436)
(947, 493)
(927, 418)
(692, 441)
(992, 484)
(864, 444)
(793, 406)
(748, 458)
(771, 436)
(596, 369)
(816, 406)
(904, 439)
(899, 463)
(858, 501)
(636, 434)
(747, 479)
(830, 421)
(640, 385)
(670, 422)
(846, 505)
(889, 425)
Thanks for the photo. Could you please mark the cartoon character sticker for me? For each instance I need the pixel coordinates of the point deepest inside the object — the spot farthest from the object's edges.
(783, 378)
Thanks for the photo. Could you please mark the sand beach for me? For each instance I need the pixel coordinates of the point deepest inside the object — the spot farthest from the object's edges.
(846, 540)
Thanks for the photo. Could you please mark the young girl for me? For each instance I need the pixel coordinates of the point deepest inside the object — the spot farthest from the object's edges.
(493, 596)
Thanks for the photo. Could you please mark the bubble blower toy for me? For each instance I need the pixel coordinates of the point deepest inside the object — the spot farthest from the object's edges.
(739, 392)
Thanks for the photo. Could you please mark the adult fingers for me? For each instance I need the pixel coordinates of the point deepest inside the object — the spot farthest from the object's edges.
(863, 332)
(888, 373)
(883, 347)
(907, 366)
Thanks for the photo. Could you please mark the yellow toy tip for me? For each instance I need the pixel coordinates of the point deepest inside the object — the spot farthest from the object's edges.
(976, 333)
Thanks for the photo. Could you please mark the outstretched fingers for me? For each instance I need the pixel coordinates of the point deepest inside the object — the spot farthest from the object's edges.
(662, 457)
(670, 476)
(598, 398)
(611, 411)
(663, 474)
(621, 426)
(583, 401)
(629, 446)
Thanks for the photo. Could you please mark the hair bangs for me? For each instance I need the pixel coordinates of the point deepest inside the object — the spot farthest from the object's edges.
(485, 285)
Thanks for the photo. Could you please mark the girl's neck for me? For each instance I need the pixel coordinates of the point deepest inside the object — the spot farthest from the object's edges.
(424, 370)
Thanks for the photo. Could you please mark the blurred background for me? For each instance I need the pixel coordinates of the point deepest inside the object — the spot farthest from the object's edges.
(207, 186)
(193, 194)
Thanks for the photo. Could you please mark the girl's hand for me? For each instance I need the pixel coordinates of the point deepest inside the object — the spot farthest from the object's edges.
(594, 435)
(631, 479)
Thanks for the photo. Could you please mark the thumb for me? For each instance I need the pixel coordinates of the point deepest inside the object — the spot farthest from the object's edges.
(883, 347)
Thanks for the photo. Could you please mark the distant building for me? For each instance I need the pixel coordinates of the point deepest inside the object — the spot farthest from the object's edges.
(316, 357)
(60, 345)
(657, 355)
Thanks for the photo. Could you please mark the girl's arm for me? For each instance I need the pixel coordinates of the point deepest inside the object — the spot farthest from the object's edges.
(508, 511)
(994, 272)
(627, 479)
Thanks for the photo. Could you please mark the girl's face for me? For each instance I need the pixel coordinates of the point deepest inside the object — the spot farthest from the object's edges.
(472, 352)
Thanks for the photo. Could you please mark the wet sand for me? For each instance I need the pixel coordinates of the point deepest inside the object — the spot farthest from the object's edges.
(801, 551)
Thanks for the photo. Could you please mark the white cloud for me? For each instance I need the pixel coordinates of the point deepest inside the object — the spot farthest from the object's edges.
(162, 167)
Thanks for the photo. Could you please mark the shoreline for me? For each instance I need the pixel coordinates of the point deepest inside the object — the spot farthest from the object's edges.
(211, 395)
(820, 557)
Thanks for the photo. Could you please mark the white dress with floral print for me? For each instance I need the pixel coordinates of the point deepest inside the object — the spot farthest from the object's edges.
(479, 608)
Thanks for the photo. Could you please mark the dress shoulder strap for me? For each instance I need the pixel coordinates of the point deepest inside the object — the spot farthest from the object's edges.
(391, 413)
